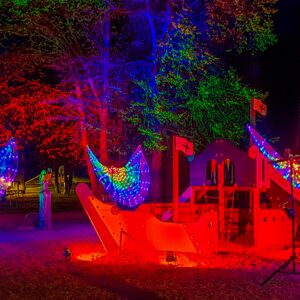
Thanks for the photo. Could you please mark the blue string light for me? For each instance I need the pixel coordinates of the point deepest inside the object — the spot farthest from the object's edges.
(8, 165)
(267, 150)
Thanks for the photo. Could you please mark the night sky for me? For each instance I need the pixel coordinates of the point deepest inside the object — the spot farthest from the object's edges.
(277, 72)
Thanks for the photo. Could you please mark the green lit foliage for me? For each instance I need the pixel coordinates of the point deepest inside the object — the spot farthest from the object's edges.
(243, 25)
(52, 27)
(143, 117)
(195, 96)
(36, 7)
(156, 112)
(180, 62)
(206, 101)
(219, 109)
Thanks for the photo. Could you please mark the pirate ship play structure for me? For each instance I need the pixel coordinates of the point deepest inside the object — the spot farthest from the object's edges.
(234, 195)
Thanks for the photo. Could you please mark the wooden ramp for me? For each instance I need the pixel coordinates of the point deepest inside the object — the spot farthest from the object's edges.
(140, 231)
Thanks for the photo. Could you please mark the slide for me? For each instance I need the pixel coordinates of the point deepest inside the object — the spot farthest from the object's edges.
(281, 174)
(277, 178)
(142, 231)
(284, 183)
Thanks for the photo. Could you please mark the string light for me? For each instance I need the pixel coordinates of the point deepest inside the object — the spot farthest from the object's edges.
(8, 165)
(128, 185)
(282, 167)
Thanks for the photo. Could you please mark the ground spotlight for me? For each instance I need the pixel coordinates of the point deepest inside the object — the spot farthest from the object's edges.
(171, 257)
(67, 253)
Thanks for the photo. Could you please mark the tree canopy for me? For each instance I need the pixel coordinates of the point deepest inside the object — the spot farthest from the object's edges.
(114, 74)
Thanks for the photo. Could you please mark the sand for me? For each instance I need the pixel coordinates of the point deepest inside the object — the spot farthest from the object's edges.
(32, 266)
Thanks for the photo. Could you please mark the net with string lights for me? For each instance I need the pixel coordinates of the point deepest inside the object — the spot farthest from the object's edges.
(8, 165)
(128, 186)
(282, 167)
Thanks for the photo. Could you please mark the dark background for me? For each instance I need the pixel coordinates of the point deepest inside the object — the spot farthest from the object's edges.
(277, 71)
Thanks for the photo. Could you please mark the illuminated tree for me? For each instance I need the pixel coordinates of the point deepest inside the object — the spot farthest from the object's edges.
(191, 91)
(39, 116)
(72, 40)
(196, 94)
(219, 109)
(82, 64)
(243, 25)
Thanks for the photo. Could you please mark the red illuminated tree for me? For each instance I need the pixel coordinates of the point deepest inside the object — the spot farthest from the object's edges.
(36, 113)
(71, 40)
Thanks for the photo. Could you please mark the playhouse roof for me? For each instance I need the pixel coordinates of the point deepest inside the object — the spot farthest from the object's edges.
(221, 149)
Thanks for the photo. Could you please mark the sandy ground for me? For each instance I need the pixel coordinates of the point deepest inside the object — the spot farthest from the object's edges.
(32, 266)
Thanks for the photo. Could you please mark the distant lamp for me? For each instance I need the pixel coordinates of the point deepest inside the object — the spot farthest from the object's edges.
(67, 253)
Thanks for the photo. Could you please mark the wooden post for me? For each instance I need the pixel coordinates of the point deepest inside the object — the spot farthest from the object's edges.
(222, 201)
(252, 114)
(259, 160)
(175, 181)
(193, 207)
(256, 214)
(252, 119)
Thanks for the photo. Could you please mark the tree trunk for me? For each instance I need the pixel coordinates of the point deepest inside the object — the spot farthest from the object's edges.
(105, 91)
(155, 167)
(156, 162)
(84, 139)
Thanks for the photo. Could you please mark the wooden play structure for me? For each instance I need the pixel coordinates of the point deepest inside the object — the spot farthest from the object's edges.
(250, 196)
(234, 196)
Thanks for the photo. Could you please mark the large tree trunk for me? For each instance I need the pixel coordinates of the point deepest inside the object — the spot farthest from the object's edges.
(156, 162)
(102, 104)
(105, 90)
(84, 138)
(155, 167)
